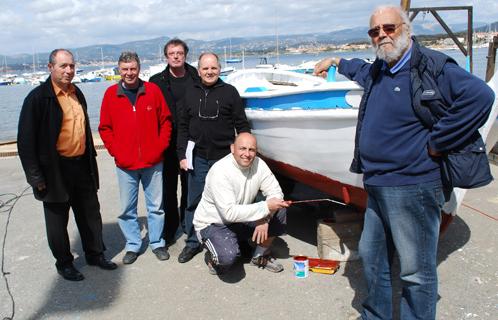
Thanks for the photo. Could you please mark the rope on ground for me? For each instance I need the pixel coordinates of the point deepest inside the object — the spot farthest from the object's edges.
(480, 212)
(7, 207)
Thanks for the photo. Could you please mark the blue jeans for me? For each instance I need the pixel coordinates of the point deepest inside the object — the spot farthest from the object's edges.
(404, 219)
(152, 183)
(196, 182)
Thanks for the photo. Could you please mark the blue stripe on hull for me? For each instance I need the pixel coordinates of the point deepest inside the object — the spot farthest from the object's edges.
(313, 100)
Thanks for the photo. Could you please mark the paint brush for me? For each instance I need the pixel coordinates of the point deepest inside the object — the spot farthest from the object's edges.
(290, 202)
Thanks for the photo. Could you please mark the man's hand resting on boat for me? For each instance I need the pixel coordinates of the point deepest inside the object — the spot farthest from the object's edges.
(322, 67)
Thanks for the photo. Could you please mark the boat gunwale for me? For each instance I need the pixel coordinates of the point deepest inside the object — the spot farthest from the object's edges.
(301, 114)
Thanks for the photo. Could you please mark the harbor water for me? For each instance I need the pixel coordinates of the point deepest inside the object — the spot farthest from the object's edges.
(12, 97)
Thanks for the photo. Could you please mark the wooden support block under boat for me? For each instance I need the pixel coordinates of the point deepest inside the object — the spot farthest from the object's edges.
(338, 241)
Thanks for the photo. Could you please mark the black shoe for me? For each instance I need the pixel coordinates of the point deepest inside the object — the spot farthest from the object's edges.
(130, 257)
(267, 262)
(161, 253)
(208, 259)
(101, 262)
(188, 253)
(70, 273)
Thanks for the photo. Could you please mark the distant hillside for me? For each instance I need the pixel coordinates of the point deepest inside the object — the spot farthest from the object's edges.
(492, 27)
(150, 50)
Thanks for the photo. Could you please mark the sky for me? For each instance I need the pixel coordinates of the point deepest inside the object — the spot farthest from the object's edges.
(29, 26)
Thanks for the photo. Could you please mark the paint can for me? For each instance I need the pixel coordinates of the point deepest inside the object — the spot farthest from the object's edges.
(301, 266)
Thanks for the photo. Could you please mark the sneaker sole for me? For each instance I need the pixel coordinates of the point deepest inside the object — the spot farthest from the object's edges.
(269, 268)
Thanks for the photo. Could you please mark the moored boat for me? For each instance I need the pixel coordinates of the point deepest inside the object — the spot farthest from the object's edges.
(233, 60)
(305, 128)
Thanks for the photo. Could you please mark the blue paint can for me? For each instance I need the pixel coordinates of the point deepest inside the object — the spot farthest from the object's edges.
(301, 266)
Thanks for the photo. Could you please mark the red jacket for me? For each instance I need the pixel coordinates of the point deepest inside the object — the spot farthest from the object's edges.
(135, 135)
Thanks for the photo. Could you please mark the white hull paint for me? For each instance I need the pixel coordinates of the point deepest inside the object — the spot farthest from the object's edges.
(320, 141)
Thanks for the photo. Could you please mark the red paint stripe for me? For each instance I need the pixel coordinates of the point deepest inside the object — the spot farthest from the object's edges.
(336, 189)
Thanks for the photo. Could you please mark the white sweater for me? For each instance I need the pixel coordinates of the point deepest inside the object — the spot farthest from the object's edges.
(230, 191)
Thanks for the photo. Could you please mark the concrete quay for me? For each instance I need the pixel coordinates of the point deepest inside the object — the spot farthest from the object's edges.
(152, 289)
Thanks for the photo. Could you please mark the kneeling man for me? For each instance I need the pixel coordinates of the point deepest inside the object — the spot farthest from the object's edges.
(227, 212)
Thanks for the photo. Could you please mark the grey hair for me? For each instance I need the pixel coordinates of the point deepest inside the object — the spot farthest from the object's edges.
(401, 13)
(210, 54)
(129, 56)
(53, 54)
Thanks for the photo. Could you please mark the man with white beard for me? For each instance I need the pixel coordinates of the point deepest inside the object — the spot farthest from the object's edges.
(399, 157)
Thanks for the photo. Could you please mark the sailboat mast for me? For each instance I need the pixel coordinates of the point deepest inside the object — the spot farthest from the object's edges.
(225, 49)
(276, 33)
(243, 58)
(102, 57)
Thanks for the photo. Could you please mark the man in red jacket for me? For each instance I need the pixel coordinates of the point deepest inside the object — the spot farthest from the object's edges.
(135, 126)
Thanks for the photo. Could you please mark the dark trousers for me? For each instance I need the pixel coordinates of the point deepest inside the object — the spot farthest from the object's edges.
(223, 240)
(86, 208)
(196, 182)
(171, 171)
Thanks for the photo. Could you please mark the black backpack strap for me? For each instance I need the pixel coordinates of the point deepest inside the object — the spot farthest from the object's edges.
(422, 111)
(428, 103)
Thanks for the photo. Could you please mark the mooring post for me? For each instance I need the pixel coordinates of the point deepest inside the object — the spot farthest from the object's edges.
(405, 4)
(490, 68)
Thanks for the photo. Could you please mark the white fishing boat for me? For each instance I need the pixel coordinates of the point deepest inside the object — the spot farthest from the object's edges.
(305, 67)
(305, 128)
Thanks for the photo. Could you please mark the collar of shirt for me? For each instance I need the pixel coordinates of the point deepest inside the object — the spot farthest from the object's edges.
(404, 59)
(58, 89)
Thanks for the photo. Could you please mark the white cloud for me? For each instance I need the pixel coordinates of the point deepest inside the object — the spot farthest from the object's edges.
(41, 25)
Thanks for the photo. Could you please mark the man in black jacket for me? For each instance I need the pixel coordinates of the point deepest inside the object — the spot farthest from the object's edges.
(173, 80)
(212, 114)
(58, 157)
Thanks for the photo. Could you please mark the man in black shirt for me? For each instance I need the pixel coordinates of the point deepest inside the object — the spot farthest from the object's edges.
(173, 81)
(212, 114)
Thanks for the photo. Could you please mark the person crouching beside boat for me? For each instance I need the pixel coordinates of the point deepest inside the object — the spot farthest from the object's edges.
(399, 159)
(56, 149)
(228, 214)
(211, 115)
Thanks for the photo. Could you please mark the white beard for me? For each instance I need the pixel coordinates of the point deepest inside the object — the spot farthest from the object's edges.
(399, 46)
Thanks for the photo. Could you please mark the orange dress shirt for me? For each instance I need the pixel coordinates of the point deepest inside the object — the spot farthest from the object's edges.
(72, 139)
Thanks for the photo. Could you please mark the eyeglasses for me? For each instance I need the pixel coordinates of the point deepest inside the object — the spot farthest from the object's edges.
(388, 28)
(176, 53)
(204, 117)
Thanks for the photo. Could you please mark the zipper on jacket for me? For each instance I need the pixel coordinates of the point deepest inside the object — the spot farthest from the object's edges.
(138, 138)
(205, 99)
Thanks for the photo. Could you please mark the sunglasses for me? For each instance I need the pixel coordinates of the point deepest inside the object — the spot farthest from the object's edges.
(388, 28)
(208, 117)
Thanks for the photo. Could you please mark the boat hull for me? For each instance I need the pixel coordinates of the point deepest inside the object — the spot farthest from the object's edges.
(312, 142)
(319, 141)
(345, 193)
